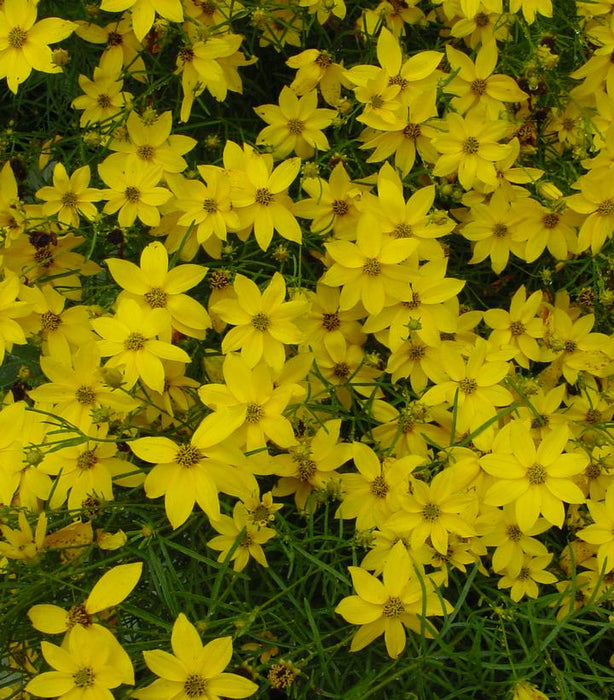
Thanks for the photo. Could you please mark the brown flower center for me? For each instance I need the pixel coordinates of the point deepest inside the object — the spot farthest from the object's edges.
(393, 607)
(17, 37)
(261, 322)
(69, 199)
(132, 193)
(254, 414)
(103, 101)
(50, 321)
(134, 342)
(295, 126)
(372, 267)
(536, 474)
(145, 152)
(156, 298)
(195, 686)
(340, 207)
(514, 533)
(550, 220)
(187, 456)
(84, 677)
(478, 86)
(331, 322)
(431, 512)
(379, 487)
(412, 132)
(471, 146)
(85, 395)
(264, 196)
(468, 386)
(606, 208)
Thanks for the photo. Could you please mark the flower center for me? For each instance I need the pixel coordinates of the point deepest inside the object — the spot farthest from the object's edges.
(78, 615)
(255, 413)
(372, 267)
(218, 279)
(416, 352)
(341, 370)
(103, 101)
(377, 101)
(478, 86)
(114, 39)
(536, 474)
(379, 487)
(295, 126)
(524, 574)
(431, 512)
(261, 322)
(186, 54)
(132, 194)
(468, 386)
(156, 298)
(145, 152)
(87, 460)
(340, 207)
(331, 322)
(306, 468)
(195, 686)
(550, 220)
(403, 230)
(50, 321)
(84, 677)
(499, 230)
(514, 533)
(134, 342)
(517, 328)
(570, 346)
(393, 607)
(593, 415)
(264, 196)
(85, 395)
(324, 60)
(593, 471)
(398, 80)
(482, 19)
(17, 38)
(412, 303)
(606, 208)
(69, 199)
(187, 456)
(210, 206)
(471, 146)
(412, 131)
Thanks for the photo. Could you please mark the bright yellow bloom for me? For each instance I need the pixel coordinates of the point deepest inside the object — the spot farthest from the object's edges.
(525, 581)
(70, 197)
(527, 691)
(24, 42)
(295, 125)
(532, 7)
(553, 228)
(143, 12)
(315, 68)
(264, 323)
(129, 338)
(154, 286)
(23, 544)
(596, 202)
(601, 532)
(402, 600)
(10, 309)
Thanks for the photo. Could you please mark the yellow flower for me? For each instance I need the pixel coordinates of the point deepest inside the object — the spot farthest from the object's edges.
(86, 667)
(527, 691)
(250, 535)
(601, 532)
(264, 323)
(532, 7)
(10, 309)
(23, 544)
(154, 286)
(316, 68)
(596, 202)
(295, 125)
(70, 197)
(130, 339)
(403, 599)
(24, 42)
(143, 12)
(525, 581)
(537, 480)
(551, 228)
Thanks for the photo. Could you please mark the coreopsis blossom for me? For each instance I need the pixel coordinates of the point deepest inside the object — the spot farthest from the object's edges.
(12, 213)
(601, 531)
(70, 196)
(193, 670)
(488, 22)
(248, 406)
(130, 340)
(153, 286)
(10, 309)
(143, 12)
(261, 200)
(527, 691)
(264, 323)
(470, 148)
(538, 480)
(110, 590)
(369, 271)
(23, 543)
(24, 42)
(104, 99)
(241, 527)
(295, 125)
(474, 85)
(532, 7)
(525, 581)
(596, 202)
(85, 668)
(192, 472)
(316, 68)
(378, 489)
(554, 228)
(403, 599)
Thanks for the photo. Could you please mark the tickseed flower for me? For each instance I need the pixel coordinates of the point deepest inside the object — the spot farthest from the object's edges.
(193, 670)
(316, 68)
(264, 323)
(23, 543)
(10, 309)
(154, 286)
(87, 667)
(596, 201)
(532, 7)
(143, 12)
(129, 339)
(192, 472)
(530, 574)
(295, 125)
(537, 480)
(387, 607)
(24, 42)
(70, 197)
(110, 590)
(133, 191)
(601, 532)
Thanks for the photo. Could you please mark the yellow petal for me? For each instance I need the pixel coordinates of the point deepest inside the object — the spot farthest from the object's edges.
(113, 587)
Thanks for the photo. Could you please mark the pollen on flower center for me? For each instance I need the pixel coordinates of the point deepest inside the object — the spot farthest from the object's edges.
(593, 415)
(69, 199)
(499, 230)
(471, 145)
(210, 206)
(478, 86)
(524, 573)
(431, 512)
(85, 395)
(377, 101)
(514, 533)
(416, 352)
(407, 425)
(195, 686)
(341, 370)
(467, 386)
(264, 196)
(323, 60)
(536, 474)
(517, 328)
(570, 346)
(87, 460)
(379, 487)
(393, 607)
(218, 279)
(398, 80)
(50, 321)
(372, 267)
(84, 677)
(413, 303)
(134, 342)
(306, 468)
(103, 101)
(132, 194)
(550, 220)
(186, 54)
(114, 39)
(331, 322)
(78, 615)
(412, 132)
(592, 471)
(403, 230)
(255, 413)
(340, 207)
(17, 37)
(606, 208)
(295, 126)
(482, 19)
(187, 456)
(261, 322)
(156, 298)
(145, 152)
